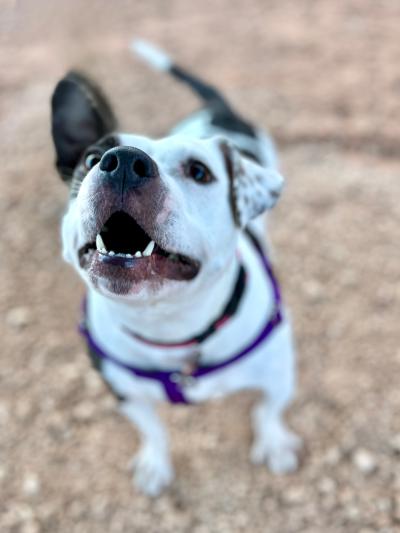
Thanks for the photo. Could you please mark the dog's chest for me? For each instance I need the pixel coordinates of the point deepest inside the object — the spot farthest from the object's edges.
(256, 305)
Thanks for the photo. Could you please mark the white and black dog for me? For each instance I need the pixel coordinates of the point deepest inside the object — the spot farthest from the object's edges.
(182, 303)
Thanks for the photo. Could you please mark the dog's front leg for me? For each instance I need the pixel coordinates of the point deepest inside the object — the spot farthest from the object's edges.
(153, 471)
(274, 444)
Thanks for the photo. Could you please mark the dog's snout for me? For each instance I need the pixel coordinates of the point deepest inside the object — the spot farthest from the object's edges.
(127, 167)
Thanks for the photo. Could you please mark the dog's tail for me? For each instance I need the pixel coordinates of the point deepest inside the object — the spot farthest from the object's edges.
(161, 61)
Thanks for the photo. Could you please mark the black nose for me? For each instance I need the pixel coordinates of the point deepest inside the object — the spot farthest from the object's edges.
(126, 167)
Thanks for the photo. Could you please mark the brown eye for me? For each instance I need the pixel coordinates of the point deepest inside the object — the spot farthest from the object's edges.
(198, 172)
(91, 160)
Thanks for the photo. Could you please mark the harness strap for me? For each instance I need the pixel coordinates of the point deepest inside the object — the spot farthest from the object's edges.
(229, 310)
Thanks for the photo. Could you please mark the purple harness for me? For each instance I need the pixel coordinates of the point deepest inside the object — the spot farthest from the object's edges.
(173, 380)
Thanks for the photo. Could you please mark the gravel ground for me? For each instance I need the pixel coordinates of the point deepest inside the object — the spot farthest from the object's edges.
(324, 77)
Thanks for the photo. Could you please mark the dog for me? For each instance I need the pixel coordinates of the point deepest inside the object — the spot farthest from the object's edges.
(182, 303)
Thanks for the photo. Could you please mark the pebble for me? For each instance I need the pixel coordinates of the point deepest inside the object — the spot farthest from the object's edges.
(31, 484)
(313, 291)
(32, 526)
(93, 383)
(23, 409)
(364, 461)
(352, 512)
(333, 456)
(3, 472)
(294, 495)
(396, 508)
(395, 443)
(4, 414)
(18, 317)
(84, 411)
(71, 372)
(327, 485)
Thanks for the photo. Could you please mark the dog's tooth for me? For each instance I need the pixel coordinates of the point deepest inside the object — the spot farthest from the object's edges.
(111, 253)
(99, 243)
(138, 254)
(103, 251)
(149, 249)
(129, 256)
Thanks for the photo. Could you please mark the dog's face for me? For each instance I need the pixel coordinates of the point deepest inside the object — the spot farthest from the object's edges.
(149, 218)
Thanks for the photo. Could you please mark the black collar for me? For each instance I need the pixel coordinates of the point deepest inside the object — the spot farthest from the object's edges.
(229, 310)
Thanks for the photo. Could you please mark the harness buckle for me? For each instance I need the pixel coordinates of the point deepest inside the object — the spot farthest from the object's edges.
(185, 380)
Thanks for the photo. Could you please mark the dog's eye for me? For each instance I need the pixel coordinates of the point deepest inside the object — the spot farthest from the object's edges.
(198, 172)
(91, 160)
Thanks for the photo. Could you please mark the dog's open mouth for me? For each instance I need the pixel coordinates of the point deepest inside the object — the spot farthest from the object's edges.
(123, 244)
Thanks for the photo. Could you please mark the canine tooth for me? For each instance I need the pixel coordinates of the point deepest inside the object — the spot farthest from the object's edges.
(99, 243)
(149, 249)
(111, 253)
(138, 254)
(103, 251)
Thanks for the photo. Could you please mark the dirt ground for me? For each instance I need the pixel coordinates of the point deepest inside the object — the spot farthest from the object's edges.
(324, 78)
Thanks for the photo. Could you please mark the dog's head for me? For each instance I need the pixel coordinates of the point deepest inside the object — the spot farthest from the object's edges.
(149, 217)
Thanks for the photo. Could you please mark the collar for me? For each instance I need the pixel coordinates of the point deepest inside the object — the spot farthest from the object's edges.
(229, 310)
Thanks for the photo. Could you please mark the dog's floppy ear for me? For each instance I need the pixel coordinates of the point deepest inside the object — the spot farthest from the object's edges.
(253, 188)
(80, 116)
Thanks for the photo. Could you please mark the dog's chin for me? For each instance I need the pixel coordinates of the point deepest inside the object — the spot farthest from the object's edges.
(129, 276)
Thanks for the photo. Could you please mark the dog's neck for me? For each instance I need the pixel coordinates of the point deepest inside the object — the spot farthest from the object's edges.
(170, 320)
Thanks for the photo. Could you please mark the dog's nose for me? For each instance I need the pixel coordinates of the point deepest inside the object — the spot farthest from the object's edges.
(127, 167)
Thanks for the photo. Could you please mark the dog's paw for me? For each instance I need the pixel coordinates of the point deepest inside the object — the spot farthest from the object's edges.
(152, 471)
(279, 451)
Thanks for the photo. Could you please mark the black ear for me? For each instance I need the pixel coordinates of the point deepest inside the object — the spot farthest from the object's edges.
(80, 116)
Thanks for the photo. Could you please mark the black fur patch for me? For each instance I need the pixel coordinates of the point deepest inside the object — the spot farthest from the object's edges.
(223, 115)
(80, 116)
(228, 120)
(100, 147)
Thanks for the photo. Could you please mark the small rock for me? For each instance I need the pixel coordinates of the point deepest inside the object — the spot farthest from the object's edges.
(71, 372)
(395, 443)
(31, 484)
(23, 409)
(333, 456)
(313, 290)
(352, 512)
(3, 472)
(384, 505)
(18, 317)
(93, 382)
(294, 495)
(32, 526)
(364, 461)
(327, 485)
(84, 411)
(396, 509)
(4, 414)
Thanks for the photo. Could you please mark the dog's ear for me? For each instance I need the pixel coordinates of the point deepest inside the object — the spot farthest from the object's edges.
(253, 188)
(80, 116)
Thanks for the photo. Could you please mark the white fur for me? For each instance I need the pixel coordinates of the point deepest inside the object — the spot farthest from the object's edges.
(198, 221)
(152, 55)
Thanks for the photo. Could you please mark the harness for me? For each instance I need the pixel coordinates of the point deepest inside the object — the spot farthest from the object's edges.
(173, 380)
